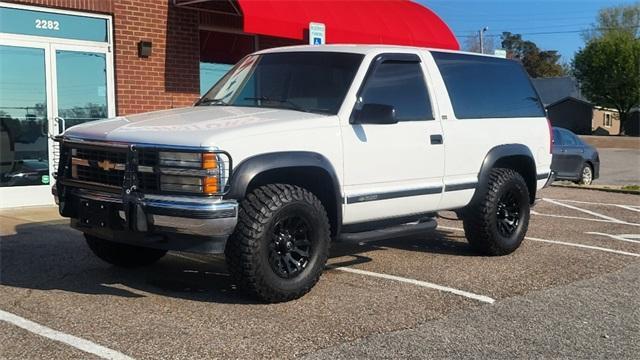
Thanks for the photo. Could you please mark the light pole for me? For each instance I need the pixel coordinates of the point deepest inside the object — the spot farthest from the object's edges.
(481, 35)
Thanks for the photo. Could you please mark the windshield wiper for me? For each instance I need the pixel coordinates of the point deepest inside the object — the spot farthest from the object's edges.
(293, 105)
(213, 102)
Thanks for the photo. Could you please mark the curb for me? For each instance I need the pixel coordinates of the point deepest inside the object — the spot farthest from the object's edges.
(598, 188)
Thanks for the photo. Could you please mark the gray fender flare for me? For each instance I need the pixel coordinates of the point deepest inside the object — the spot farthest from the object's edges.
(493, 156)
(252, 167)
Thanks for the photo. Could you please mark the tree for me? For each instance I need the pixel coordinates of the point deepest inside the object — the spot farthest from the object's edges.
(538, 63)
(472, 44)
(608, 70)
(624, 18)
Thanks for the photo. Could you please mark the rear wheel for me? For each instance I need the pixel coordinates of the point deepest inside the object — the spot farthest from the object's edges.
(281, 243)
(123, 255)
(586, 175)
(497, 223)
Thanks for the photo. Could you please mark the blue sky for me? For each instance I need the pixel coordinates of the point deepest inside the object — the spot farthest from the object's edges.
(466, 17)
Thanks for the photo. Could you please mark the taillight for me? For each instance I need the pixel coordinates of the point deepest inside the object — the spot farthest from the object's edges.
(550, 136)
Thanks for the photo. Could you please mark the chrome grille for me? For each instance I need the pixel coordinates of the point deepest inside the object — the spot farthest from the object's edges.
(105, 166)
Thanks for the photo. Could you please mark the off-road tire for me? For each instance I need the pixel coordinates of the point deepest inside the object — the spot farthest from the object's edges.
(481, 217)
(123, 255)
(247, 250)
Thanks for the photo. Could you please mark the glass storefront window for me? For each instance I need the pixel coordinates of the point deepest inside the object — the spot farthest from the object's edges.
(210, 73)
(24, 158)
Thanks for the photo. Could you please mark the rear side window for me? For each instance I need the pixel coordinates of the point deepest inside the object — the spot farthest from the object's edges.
(400, 84)
(569, 139)
(485, 87)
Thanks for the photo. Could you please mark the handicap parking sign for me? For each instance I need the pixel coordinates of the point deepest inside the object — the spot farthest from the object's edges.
(316, 33)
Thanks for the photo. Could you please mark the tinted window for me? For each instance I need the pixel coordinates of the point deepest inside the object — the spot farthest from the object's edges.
(487, 87)
(569, 139)
(401, 85)
(305, 81)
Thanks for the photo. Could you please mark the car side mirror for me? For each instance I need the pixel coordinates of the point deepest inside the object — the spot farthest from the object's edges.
(375, 114)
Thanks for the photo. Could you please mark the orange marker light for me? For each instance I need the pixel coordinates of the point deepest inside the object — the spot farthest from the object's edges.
(210, 184)
(209, 161)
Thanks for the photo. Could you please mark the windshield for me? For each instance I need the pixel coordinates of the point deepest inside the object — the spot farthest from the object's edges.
(303, 81)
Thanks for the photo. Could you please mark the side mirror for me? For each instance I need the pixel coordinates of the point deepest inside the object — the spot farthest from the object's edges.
(376, 114)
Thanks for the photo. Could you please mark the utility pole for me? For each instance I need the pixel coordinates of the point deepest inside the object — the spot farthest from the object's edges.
(481, 35)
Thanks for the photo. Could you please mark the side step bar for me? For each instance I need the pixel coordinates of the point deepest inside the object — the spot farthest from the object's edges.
(403, 230)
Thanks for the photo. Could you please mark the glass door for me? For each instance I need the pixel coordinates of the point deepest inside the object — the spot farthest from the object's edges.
(81, 90)
(24, 124)
(45, 88)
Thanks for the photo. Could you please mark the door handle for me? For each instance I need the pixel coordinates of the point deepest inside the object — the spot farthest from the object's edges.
(436, 139)
(60, 124)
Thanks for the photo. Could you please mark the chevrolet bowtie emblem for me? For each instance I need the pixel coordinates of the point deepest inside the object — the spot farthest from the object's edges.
(106, 165)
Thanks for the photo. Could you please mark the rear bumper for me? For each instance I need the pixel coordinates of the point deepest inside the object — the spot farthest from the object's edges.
(167, 222)
(550, 179)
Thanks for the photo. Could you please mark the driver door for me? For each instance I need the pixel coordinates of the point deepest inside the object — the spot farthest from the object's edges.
(393, 170)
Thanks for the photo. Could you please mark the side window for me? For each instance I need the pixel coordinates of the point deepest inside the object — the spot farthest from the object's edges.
(569, 139)
(483, 87)
(399, 84)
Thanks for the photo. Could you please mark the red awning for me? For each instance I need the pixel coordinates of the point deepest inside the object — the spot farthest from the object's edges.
(397, 22)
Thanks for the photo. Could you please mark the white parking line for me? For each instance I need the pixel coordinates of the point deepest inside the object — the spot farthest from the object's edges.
(563, 243)
(584, 210)
(593, 203)
(76, 342)
(627, 207)
(601, 216)
(585, 247)
(616, 237)
(466, 294)
(573, 217)
(481, 298)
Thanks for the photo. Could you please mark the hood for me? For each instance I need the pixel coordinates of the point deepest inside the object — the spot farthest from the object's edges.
(195, 126)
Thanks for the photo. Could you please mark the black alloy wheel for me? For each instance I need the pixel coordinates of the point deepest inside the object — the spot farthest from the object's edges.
(508, 213)
(290, 249)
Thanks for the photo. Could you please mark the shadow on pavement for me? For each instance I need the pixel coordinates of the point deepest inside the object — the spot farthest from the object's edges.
(50, 255)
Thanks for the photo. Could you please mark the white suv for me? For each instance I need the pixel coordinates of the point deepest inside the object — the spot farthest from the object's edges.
(299, 146)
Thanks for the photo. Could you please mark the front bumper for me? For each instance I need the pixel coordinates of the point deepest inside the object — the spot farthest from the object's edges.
(168, 222)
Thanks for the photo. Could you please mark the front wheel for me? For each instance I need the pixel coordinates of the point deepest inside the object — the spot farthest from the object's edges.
(497, 223)
(281, 243)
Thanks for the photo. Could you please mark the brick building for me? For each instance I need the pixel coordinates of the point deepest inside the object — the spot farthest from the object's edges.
(65, 62)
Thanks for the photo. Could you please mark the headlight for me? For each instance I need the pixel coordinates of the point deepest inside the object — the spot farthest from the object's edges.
(200, 173)
(190, 160)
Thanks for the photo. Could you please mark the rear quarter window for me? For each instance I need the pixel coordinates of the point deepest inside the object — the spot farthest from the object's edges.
(483, 87)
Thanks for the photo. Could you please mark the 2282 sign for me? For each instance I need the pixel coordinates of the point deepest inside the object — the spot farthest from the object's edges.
(47, 24)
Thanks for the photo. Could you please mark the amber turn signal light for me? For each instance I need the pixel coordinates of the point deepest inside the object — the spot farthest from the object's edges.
(209, 161)
(210, 185)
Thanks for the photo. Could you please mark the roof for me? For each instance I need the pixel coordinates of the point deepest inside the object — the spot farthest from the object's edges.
(366, 49)
(398, 22)
(570, 98)
(554, 90)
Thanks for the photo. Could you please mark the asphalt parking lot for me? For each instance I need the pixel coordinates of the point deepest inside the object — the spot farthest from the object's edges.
(571, 290)
(619, 167)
